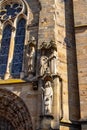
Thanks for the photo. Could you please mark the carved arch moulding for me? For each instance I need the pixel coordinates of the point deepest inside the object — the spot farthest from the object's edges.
(13, 109)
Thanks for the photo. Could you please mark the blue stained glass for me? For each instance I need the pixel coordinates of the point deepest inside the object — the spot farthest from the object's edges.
(17, 70)
(2, 70)
(15, 5)
(6, 42)
(19, 45)
(21, 23)
(17, 58)
(18, 49)
(19, 9)
(11, 10)
(19, 40)
(4, 49)
(20, 31)
(7, 6)
(3, 59)
(7, 31)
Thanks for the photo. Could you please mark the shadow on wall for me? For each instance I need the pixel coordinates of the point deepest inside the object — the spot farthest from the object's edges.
(73, 89)
(33, 27)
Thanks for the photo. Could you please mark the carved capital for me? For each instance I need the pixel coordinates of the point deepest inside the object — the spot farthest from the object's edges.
(48, 45)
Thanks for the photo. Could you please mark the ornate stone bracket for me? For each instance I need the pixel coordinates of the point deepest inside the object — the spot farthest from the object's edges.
(48, 45)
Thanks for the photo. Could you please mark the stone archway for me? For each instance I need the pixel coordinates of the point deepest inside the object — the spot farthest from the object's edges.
(5, 124)
(14, 111)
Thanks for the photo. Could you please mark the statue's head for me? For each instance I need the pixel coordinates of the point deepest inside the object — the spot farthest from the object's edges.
(48, 84)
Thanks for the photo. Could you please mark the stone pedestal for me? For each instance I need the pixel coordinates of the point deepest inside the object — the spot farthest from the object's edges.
(56, 103)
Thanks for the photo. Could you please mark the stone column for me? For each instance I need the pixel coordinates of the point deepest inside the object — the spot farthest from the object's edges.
(56, 103)
(53, 63)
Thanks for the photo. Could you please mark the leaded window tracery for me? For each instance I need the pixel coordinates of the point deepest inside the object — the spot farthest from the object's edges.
(13, 14)
(19, 43)
(4, 50)
(10, 10)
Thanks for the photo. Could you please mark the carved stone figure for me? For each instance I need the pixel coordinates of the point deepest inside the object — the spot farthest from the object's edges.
(47, 98)
(43, 65)
(53, 63)
(31, 59)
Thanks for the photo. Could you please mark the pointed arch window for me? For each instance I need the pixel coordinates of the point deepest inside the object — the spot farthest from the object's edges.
(19, 46)
(4, 50)
(13, 19)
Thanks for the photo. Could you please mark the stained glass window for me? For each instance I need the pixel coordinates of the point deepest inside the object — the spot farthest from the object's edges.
(4, 50)
(10, 10)
(18, 51)
(11, 52)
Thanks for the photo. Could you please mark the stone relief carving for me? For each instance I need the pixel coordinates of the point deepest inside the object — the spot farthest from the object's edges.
(49, 45)
(31, 55)
(48, 61)
(47, 98)
(48, 65)
(31, 60)
(52, 60)
(44, 65)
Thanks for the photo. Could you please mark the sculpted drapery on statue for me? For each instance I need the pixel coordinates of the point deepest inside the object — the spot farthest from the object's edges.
(47, 98)
(31, 60)
(48, 58)
(31, 55)
(44, 67)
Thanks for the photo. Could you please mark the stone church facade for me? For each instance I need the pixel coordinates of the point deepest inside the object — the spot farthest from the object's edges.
(43, 74)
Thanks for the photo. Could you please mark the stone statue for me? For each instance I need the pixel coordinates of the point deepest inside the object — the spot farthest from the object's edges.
(47, 98)
(31, 59)
(43, 65)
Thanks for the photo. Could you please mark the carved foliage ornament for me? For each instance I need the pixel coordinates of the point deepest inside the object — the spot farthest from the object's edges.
(48, 45)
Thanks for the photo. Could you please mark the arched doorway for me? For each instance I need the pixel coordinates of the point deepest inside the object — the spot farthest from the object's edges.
(5, 124)
(13, 112)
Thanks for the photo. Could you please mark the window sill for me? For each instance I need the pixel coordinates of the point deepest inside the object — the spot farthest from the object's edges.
(12, 81)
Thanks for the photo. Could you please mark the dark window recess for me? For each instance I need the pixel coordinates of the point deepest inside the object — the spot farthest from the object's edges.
(5, 124)
(4, 49)
(18, 51)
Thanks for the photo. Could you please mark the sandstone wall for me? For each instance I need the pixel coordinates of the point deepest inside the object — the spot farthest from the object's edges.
(67, 64)
(80, 16)
(53, 20)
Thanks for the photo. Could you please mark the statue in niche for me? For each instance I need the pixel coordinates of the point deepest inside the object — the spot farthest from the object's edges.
(47, 98)
(31, 55)
(44, 65)
(31, 59)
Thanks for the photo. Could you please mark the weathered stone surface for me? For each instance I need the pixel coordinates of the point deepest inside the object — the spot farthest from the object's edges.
(65, 22)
